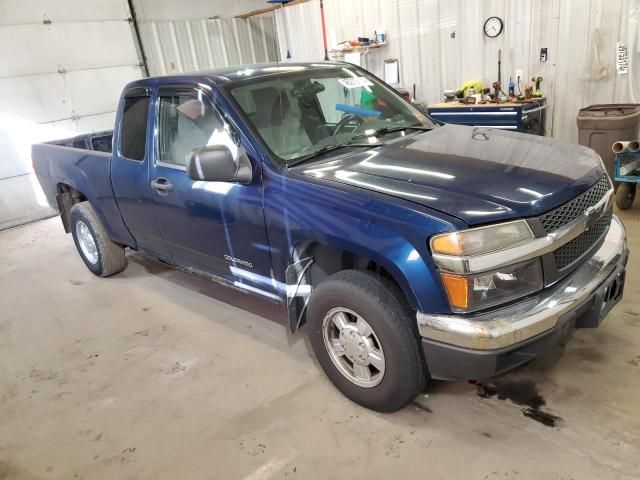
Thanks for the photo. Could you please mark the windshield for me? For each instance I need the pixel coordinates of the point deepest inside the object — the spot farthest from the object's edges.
(305, 109)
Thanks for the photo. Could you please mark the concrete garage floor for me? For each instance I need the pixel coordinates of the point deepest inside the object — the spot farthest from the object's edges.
(152, 374)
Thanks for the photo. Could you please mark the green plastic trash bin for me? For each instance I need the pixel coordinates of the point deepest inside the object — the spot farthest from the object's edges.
(599, 126)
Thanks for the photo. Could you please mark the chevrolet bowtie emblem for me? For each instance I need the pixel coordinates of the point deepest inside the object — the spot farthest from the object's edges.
(593, 214)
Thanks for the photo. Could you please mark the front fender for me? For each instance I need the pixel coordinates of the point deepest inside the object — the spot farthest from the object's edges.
(389, 231)
(408, 266)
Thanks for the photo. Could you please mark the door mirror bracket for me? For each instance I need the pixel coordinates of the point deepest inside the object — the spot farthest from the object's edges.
(216, 163)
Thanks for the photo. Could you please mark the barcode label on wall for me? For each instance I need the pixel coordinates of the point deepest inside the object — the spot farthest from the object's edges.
(622, 58)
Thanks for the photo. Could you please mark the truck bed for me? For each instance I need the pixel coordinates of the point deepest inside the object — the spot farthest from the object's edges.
(97, 141)
(88, 172)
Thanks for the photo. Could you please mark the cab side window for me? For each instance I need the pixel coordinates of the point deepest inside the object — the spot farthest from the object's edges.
(186, 122)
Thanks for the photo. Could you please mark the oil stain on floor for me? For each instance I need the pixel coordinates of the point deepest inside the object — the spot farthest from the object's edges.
(523, 393)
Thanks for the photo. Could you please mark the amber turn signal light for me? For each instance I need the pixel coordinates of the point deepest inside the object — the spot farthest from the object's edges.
(448, 244)
(457, 290)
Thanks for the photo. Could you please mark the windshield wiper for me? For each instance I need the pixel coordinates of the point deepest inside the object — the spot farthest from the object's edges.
(383, 130)
(399, 129)
(329, 148)
(351, 143)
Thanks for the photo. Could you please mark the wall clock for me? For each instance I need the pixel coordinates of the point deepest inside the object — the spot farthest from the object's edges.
(493, 27)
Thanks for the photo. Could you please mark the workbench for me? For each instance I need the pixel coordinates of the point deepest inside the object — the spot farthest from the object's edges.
(522, 117)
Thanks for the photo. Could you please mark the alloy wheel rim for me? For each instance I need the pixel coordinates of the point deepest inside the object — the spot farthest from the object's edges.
(353, 347)
(87, 242)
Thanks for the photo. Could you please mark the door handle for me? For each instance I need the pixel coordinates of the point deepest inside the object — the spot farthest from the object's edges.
(162, 185)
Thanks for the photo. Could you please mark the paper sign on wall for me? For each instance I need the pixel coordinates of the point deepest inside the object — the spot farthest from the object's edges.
(355, 82)
(622, 58)
(391, 73)
(352, 57)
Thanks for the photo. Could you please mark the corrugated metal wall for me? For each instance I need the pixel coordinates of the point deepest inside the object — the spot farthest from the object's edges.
(62, 66)
(159, 10)
(200, 44)
(300, 32)
(440, 45)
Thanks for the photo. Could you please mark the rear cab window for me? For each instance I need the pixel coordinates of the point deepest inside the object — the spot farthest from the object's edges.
(133, 127)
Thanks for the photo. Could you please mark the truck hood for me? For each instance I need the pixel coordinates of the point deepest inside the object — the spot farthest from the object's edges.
(478, 175)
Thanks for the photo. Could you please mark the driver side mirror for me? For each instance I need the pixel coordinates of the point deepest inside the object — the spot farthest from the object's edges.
(215, 163)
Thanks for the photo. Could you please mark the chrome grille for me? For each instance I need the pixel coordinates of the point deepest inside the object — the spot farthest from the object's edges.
(572, 251)
(568, 212)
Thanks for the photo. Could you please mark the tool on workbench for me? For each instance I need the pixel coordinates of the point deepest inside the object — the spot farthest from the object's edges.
(498, 95)
(496, 90)
(512, 88)
(528, 91)
(476, 85)
(537, 81)
(450, 95)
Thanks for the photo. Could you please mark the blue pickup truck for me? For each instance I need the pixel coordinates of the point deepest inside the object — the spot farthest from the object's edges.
(410, 249)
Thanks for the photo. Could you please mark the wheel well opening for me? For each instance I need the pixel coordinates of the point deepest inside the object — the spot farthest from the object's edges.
(67, 197)
(329, 260)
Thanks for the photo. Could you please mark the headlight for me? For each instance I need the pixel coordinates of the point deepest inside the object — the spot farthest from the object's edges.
(481, 240)
(474, 292)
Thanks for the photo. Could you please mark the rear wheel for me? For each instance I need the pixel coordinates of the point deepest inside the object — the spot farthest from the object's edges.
(102, 256)
(625, 194)
(364, 340)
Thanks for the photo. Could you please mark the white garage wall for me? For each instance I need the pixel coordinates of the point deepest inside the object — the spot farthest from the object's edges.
(62, 67)
(299, 31)
(162, 10)
(420, 37)
(203, 44)
(201, 34)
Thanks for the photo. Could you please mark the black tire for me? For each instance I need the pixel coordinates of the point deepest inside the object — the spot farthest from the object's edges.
(110, 256)
(367, 295)
(625, 194)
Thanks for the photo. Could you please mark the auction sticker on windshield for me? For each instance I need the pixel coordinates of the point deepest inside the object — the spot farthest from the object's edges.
(355, 82)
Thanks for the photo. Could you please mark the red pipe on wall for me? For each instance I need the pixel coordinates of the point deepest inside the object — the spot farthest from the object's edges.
(324, 31)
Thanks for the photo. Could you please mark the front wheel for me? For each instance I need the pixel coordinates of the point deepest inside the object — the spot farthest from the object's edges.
(363, 337)
(625, 194)
(102, 256)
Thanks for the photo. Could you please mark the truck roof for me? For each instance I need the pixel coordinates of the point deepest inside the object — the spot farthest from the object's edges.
(237, 73)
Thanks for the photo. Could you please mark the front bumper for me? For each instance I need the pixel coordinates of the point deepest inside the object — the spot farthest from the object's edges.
(485, 344)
